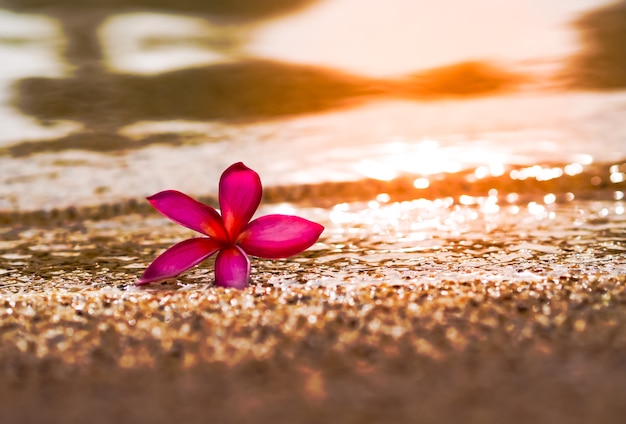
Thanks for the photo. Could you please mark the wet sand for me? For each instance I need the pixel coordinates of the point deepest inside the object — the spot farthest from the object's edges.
(305, 343)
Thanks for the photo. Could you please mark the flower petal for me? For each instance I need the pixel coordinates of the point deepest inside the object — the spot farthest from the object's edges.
(232, 268)
(239, 194)
(179, 258)
(279, 236)
(189, 213)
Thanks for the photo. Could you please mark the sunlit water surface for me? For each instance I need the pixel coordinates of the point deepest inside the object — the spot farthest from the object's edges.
(418, 242)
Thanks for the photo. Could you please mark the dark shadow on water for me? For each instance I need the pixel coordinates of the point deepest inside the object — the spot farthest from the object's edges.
(246, 90)
(93, 141)
(236, 92)
(602, 62)
(243, 91)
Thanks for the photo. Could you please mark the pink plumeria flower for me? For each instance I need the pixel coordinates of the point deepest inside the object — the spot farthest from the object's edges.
(231, 235)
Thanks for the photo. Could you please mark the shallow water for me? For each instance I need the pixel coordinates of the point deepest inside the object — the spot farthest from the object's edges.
(565, 134)
(423, 242)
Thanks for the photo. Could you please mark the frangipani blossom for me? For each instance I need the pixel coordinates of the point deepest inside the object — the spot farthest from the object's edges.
(231, 235)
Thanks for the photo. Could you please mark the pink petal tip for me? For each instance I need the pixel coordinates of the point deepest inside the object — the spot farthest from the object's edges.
(179, 258)
(279, 236)
(232, 268)
(240, 194)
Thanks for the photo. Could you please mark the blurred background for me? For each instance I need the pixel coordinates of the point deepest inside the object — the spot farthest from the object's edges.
(104, 100)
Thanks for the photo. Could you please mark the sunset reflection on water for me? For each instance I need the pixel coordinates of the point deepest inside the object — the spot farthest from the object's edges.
(427, 93)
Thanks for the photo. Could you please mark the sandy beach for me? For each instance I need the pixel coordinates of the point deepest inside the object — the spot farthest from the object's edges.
(310, 340)
(549, 351)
